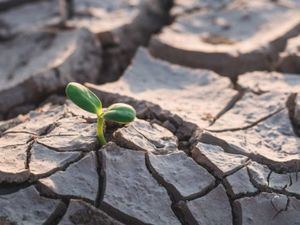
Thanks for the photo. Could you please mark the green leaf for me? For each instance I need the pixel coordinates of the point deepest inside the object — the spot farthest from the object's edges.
(84, 98)
(119, 112)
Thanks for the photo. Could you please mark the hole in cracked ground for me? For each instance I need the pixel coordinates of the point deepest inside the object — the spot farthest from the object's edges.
(110, 128)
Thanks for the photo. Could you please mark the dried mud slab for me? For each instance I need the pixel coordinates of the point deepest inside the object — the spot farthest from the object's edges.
(6, 124)
(272, 142)
(71, 134)
(213, 208)
(80, 212)
(21, 18)
(182, 7)
(143, 136)
(40, 121)
(289, 61)
(170, 86)
(249, 34)
(239, 184)
(249, 110)
(259, 174)
(180, 175)
(44, 161)
(13, 160)
(265, 179)
(13, 164)
(268, 208)
(260, 82)
(38, 209)
(37, 64)
(217, 160)
(79, 180)
(287, 183)
(15, 139)
(131, 194)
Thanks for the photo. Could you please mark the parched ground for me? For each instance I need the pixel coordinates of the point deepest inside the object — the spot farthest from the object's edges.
(216, 88)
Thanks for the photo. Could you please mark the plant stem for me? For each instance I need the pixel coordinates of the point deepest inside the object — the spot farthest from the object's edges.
(100, 134)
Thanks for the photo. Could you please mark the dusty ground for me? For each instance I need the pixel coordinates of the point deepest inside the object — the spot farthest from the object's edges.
(216, 88)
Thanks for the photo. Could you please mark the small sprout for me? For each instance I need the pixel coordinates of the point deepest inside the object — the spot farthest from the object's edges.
(88, 101)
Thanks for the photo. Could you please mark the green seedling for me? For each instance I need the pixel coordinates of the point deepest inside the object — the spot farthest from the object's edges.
(88, 101)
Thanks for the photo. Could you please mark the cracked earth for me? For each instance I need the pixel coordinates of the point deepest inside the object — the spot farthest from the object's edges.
(216, 140)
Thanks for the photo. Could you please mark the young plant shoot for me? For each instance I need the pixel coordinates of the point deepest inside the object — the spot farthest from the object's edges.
(88, 101)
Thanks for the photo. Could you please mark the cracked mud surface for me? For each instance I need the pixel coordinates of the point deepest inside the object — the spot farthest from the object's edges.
(245, 159)
(250, 34)
(41, 54)
(204, 148)
(250, 146)
(169, 86)
(36, 64)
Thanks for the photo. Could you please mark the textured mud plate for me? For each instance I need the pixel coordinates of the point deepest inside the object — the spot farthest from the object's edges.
(241, 36)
